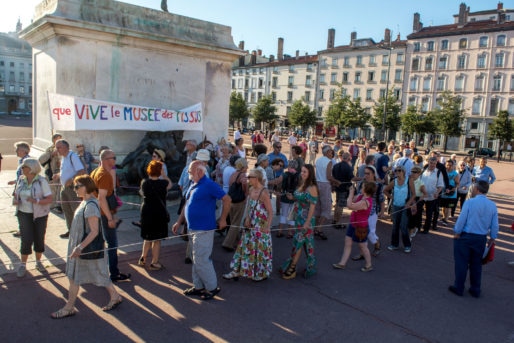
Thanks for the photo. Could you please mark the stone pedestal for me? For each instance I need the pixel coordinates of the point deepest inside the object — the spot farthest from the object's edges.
(112, 51)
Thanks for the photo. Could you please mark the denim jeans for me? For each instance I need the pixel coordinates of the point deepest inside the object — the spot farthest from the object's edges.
(432, 214)
(400, 223)
(111, 238)
(467, 251)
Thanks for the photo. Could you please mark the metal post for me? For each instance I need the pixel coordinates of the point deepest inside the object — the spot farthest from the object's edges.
(390, 48)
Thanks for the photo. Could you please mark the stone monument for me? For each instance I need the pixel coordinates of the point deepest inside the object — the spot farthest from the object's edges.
(116, 52)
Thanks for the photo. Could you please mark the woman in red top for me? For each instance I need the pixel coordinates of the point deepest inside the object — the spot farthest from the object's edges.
(361, 208)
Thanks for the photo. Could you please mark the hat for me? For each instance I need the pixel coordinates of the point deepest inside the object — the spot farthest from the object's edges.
(161, 153)
(203, 155)
(261, 158)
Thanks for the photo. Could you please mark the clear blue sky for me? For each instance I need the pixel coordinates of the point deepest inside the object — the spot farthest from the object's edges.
(303, 24)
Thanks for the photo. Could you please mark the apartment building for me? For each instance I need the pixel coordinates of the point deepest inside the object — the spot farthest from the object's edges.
(285, 78)
(474, 59)
(364, 69)
(15, 74)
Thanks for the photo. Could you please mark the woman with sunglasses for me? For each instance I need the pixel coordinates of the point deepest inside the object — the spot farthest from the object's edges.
(400, 192)
(464, 184)
(84, 271)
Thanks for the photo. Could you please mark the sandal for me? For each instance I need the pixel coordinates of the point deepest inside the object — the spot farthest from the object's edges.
(366, 269)
(338, 266)
(357, 258)
(141, 262)
(290, 272)
(112, 304)
(208, 295)
(193, 291)
(156, 266)
(63, 313)
(231, 276)
(138, 224)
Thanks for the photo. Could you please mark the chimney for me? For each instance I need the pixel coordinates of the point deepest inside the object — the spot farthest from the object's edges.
(259, 52)
(462, 14)
(297, 54)
(280, 52)
(417, 25)
(242, 45)
(331, 38)
(272, 58)
(398, 38)
(253, 58)
(387, 36)
(353, 36)
(500, 5)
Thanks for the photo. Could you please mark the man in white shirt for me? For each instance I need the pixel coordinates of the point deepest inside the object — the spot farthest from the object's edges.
(292, 140)
(433, 180)
(405, 161)
(237, 134)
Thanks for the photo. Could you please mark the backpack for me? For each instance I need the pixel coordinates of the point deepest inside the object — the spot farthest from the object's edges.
(236, 192)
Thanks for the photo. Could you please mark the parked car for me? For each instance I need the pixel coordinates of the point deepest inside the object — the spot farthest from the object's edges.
(482, 152)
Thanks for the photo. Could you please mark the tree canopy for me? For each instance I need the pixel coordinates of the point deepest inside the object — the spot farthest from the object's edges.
(238, 110)
(448, 116)
(264, 111)
(302, 115)
(501, 128)
(392, 120)
(345, 113)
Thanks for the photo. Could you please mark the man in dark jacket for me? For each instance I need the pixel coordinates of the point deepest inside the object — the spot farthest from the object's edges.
(342, 172)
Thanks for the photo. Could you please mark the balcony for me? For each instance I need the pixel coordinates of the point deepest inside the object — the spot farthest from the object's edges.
(276, 72)
(398, 81)
(333, 82)
(323, 66)
(360, 65)
(347, 65)
(372, 82)
(290, 85)
(308, 85)
(372, 64)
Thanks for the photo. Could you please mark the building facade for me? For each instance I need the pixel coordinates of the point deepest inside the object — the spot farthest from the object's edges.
(15, 74)
(474, 59)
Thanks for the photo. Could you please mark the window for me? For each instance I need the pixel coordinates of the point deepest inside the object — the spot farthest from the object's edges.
(321, 78)
(444, 44)
(307, 96)
(274, 82)
(11, 64)
(254, 83)
(291, 68)
(346, 61)
(334, 62)
(417, 46)
(259, 96)
(481, 61)
(512, 83)
(22, 89)
(382, 94)
(11, 76)
(482, 43)
(461, 62)
(233, 84)
(441, 84)
(479, 83)
(415, 64)
(473, 126)
(372, 60)
(358, 77)
(343, 92)
(252, 97)
(371, 76)
(261, 82)
(2, 63)
(333, 78)
(288, 110)
(274, 96)
(397, 93)
(323, 63)
(498, 60)
(398, 75)
(359, 60)
(430, 46)
(320, 111)
(463, 43)
(332, 94)
(399, 58)
(308, 80)
(383, 76)
(493, 110)
(289, 96)
(322, 94)
(428, 63)
(2, 88)
(345, 77)
(356, 93)
(240, 83)
(245, 96)
(497, 83)
(412, 101)
(459, 83)
(290, 81)
(442, 62)
(500, 40)
(385, 59)
(424, 104)
(275, 70)
(369, 94)
(309, 66)
(510, 107)
(427, 81)
(413, 84)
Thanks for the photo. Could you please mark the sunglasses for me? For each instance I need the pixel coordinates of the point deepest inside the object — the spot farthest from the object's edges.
(414, 172)
(252, 176)
(80, 146)
(77, 186)
(398, 170)
(111, 158)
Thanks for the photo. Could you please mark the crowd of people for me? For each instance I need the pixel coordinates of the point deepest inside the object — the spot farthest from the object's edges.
(219, 184)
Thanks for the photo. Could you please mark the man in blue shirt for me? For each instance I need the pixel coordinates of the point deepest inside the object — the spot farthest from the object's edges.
(200, 214)
(483, 172)
(479, 217)
(381, 161)
(277, 146)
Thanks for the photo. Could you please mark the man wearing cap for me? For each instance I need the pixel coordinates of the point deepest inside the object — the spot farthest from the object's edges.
(199, 213)
(405, 161)
(71, 166)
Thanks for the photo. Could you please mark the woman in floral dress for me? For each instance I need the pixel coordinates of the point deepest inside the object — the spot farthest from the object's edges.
(253, 255)
(306, 196)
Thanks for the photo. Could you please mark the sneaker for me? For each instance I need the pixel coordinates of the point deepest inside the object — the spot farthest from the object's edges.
(407, 250)
(366, 269)
(40, 267)
(444, 222)
(414, 232)
(22, 269)
(392, 248)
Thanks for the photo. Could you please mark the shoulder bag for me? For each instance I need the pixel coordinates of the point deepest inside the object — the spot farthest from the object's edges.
(95, 249)
(236, 192)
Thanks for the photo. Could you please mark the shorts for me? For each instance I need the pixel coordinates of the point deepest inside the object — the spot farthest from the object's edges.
(447, 202)
(342, 199)
(350, 232)
(285, 209)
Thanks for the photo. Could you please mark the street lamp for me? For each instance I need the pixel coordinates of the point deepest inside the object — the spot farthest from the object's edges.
(390, 48)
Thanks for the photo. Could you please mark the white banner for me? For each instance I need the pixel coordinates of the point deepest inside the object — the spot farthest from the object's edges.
(71, 113)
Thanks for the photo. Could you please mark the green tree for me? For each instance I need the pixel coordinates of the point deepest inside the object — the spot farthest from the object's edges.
(238, 110)
(345, 113)
(501, 128)
(448, 116)
(415, 122)
(302, 115)
(264, 111)
(392, 120)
